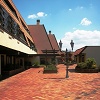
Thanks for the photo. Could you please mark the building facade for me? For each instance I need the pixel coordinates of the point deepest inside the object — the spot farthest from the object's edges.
(16, 43)
(46, 44)
(88, 52)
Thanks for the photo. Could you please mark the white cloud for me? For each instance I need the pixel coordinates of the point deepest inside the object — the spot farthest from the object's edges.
(81, 38)
(32, 16)
(74, 28)
(81, 7)
(39, 14)
(70, 9)
(85, 22)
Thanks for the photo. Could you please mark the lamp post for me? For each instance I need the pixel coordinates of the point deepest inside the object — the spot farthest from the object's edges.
(72, 44)
(60, 44)
(67, 63)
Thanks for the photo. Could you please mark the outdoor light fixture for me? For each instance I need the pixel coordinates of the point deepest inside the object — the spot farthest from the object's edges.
(60, 44)
(72, 44)
(67, 56)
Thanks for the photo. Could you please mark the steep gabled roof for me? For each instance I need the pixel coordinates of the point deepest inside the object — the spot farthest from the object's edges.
(78, 51)
(40, 37)
(53, 41)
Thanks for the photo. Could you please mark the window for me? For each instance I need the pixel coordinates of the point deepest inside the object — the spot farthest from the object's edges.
(21, 34)
(32, 46)
(11, 8)
(83, 58)
(10, 25)
(25, 27)
(2, 19)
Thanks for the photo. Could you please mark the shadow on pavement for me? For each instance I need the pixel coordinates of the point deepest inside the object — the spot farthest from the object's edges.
(54, 78)
(71, 70)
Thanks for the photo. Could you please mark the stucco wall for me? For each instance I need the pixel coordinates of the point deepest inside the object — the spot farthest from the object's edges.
(33, 59)
(10, 42)
(93, 52)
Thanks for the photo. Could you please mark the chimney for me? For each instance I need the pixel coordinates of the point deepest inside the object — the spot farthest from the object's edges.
(49, 32)
(38, 22)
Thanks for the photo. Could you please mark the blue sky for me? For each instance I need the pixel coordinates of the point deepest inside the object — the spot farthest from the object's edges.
(77, 20)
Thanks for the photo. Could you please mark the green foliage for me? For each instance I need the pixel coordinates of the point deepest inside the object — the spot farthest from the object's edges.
(81, 65)
(68, 63)
(50, 67)
(53, 61)
(36, 63)
(94, 66)
(42, 65)
(90, 63)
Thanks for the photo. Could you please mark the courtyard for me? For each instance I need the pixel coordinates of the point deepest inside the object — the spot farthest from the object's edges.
(32, 84)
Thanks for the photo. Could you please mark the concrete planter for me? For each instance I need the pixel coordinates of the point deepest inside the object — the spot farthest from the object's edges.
(50, 71)
(87, 70)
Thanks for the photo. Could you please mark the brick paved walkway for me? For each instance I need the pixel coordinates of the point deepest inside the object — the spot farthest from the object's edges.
(32, 84)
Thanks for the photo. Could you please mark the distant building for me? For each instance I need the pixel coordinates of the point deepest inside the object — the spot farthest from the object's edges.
(46, 44)
(87, 52)
(16, 42)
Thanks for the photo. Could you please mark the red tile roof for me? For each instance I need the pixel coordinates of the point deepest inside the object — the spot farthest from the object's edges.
(40, 37)
(78, 51)
(53, 41)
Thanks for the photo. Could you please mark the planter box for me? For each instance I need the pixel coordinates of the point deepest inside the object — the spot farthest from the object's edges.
(50, 71)
(13, 72)
(86, 70)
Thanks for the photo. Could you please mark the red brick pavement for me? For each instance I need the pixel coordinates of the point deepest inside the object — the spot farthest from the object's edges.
(32, 84)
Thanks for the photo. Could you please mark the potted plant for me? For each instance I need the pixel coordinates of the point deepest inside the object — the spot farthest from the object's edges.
(50, 69)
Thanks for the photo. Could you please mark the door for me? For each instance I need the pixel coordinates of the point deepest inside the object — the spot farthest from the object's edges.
(2, 63)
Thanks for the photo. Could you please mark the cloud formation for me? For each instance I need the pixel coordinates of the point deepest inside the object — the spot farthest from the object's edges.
(85, 22)
(81, 38)
(70, 9)
(39, 14)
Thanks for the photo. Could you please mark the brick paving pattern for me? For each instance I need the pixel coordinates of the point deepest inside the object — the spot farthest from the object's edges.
(32, 84)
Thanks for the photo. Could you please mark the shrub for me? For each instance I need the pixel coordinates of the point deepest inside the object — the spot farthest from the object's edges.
(82, 65)
(50, 67)
(36, 63)
(90, 63)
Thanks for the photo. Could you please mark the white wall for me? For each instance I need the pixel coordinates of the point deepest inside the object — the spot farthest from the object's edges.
(10, 42)
(93, 52)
